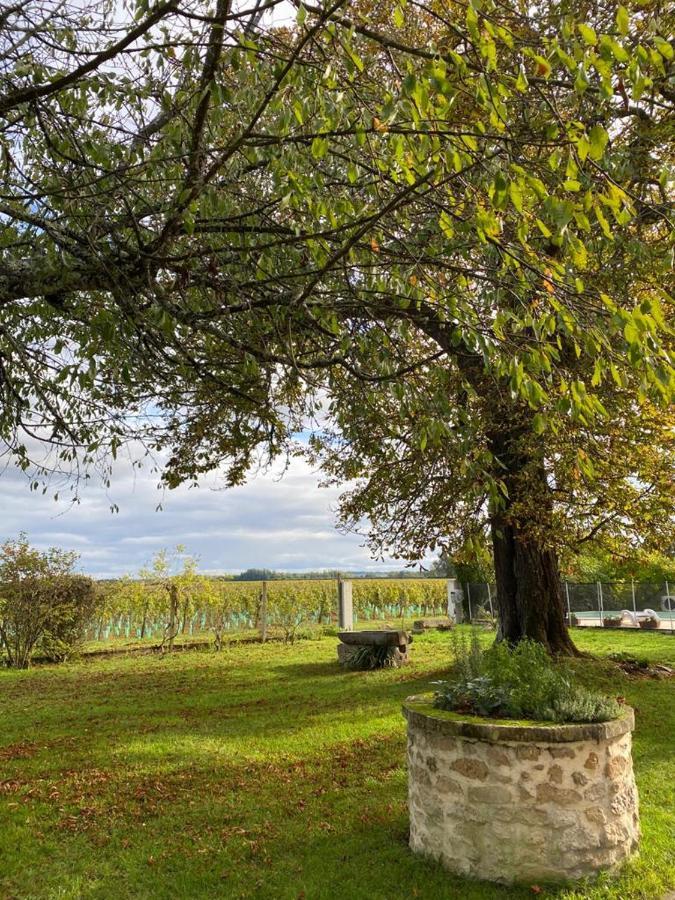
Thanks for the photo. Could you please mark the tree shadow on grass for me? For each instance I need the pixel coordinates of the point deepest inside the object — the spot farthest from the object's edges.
(309, 670)
(323, 825)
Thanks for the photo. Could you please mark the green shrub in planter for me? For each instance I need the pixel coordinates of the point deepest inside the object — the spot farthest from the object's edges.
(649, 623)
(612, 621)
(519, 683)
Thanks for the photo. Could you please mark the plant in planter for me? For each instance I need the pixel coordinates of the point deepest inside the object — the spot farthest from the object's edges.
(550, 796)
(649, 622)
(574, 620)
(522, 683)
(612, 621)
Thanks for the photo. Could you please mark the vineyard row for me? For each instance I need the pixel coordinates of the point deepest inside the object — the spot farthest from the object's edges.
(195, 604)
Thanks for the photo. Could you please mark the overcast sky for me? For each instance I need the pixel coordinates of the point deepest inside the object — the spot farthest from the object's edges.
(285, 523)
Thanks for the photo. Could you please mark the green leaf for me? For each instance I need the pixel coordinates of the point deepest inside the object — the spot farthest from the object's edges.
(579, 254)
(622, 20)
(664, 47)
(631, 333)
(521, 81)
(588, 34)
(446, 224)
(604, 224)
(319, 147)
(472, 22)
(598, 139)
(356, 59)
(597, 373)
(583, 147)
(516, 196)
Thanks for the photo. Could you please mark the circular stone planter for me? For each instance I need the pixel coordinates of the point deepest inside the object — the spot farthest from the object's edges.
(516, 802)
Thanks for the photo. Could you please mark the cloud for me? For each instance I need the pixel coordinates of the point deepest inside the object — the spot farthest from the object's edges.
(274, 522)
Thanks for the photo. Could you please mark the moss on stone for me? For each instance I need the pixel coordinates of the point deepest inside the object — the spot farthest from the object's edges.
(426, 715)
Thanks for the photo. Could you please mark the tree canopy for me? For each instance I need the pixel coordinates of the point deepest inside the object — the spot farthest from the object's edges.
(440, 233)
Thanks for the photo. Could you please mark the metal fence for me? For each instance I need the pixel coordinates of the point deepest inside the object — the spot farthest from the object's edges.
(600, 604)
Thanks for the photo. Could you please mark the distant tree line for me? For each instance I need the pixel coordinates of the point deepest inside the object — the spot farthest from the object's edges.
(313, 575)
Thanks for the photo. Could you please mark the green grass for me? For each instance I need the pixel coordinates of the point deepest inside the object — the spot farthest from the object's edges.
(262, 771)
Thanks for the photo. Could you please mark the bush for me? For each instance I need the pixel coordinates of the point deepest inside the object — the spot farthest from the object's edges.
(518, 683)
(44, 605)
(69, 618)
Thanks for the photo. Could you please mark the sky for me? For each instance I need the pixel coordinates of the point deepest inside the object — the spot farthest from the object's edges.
(271, 522)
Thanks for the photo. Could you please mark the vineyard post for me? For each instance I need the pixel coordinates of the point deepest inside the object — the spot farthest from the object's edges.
(263, 613)
(567, 597)
(345, 607)
(455, 610)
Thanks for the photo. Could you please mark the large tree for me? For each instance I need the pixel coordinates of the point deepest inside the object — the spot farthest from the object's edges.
(441, 232)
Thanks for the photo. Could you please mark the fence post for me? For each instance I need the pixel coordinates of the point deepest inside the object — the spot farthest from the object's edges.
(490, 600)
(632, 587)
(670, 606)
(600, 605)
(569, 611)
(468, 597)
(263, 613)
(345, 607)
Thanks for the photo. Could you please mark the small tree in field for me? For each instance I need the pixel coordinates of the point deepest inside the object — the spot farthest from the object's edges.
(290, 607)
(44, 605)
(219, 602)
(172, 583)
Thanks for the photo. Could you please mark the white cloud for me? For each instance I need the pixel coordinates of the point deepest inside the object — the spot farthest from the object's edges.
(273, 522)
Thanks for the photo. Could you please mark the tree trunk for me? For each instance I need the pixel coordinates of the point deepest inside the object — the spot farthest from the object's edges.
(529, 588)
(529, 591)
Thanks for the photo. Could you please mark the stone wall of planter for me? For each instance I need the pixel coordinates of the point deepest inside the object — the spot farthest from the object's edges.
(510, 802)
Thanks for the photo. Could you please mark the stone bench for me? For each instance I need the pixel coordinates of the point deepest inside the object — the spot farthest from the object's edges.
(353, 642)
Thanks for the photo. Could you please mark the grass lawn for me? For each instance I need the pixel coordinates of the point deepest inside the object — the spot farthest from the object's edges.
(263, 771)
